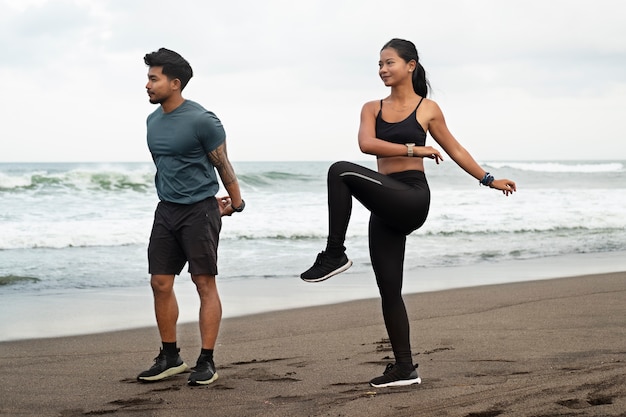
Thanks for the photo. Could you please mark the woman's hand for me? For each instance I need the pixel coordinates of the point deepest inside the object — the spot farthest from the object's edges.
(428, 152)
(506, 186)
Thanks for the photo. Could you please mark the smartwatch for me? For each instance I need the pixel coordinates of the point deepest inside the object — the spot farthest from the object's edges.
(240, 208)
(409, 149)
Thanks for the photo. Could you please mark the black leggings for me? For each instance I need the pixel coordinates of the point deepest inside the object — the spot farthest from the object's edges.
(399, 205)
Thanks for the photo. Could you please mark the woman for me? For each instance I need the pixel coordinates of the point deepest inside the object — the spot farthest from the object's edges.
(394, 130)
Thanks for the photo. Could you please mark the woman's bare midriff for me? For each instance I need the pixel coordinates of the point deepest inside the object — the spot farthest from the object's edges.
(399, 163)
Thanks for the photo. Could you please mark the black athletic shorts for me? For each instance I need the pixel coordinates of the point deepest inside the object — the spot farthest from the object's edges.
(185, 233)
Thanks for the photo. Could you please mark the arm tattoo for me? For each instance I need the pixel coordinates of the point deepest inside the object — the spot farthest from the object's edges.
(219, 159)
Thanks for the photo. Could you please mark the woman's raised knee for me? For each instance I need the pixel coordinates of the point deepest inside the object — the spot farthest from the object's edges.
(338, 167)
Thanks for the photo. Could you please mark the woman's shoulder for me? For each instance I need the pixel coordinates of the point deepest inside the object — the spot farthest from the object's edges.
(430, 106)
(430, 102)
(372, 106)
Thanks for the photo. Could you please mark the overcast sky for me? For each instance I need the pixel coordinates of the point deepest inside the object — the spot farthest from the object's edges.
(516, 80)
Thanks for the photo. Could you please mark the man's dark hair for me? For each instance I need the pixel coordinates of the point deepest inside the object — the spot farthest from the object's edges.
(174, 65)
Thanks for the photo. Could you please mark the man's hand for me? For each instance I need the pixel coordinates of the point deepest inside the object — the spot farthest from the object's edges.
(224, 203)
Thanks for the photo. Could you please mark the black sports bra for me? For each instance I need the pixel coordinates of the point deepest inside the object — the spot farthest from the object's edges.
(406, 131)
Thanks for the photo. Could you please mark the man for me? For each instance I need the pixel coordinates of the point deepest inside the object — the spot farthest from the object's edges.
(188, 145)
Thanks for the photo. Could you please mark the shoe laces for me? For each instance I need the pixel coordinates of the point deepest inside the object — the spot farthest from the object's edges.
(321, 257)
(160, 355)
(391, 366)
(325, 258)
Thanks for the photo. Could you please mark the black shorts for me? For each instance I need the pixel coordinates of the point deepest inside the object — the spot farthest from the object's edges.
(185, 233)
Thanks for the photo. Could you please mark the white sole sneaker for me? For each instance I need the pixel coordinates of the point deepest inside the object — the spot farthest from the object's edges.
(399, 383)
(175, 370)
(330, 274)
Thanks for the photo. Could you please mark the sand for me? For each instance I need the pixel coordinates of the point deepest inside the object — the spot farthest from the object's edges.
(542, 348)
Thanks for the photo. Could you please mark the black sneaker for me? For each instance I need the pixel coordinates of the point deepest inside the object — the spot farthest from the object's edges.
(394, 376)
(325, 267)
(164, 366)
(203, 373)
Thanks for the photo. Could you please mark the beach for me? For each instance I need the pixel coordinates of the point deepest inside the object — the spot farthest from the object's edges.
(516, 304)
(551, 347)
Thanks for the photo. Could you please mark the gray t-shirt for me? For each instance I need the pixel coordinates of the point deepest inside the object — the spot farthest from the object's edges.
(179, 142)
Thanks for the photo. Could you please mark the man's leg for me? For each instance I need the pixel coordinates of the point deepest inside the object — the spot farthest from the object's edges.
(204, 372)
(165, 306)
(210, 309)
(168, 362)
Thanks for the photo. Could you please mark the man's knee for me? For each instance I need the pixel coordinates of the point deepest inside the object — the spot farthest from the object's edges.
(162, 284)
(205, 284)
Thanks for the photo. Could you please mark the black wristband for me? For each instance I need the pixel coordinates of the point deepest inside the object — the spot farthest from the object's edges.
(487, 180)
(240, 208)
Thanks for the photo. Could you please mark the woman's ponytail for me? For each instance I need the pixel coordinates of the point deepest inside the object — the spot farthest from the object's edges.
(420, 83)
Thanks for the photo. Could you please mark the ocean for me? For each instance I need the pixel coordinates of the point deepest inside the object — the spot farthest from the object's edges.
(73, 238)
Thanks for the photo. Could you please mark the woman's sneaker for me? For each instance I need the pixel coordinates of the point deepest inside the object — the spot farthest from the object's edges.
(164, 366)
(326, 266)
(204, 372)
(394, 376)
